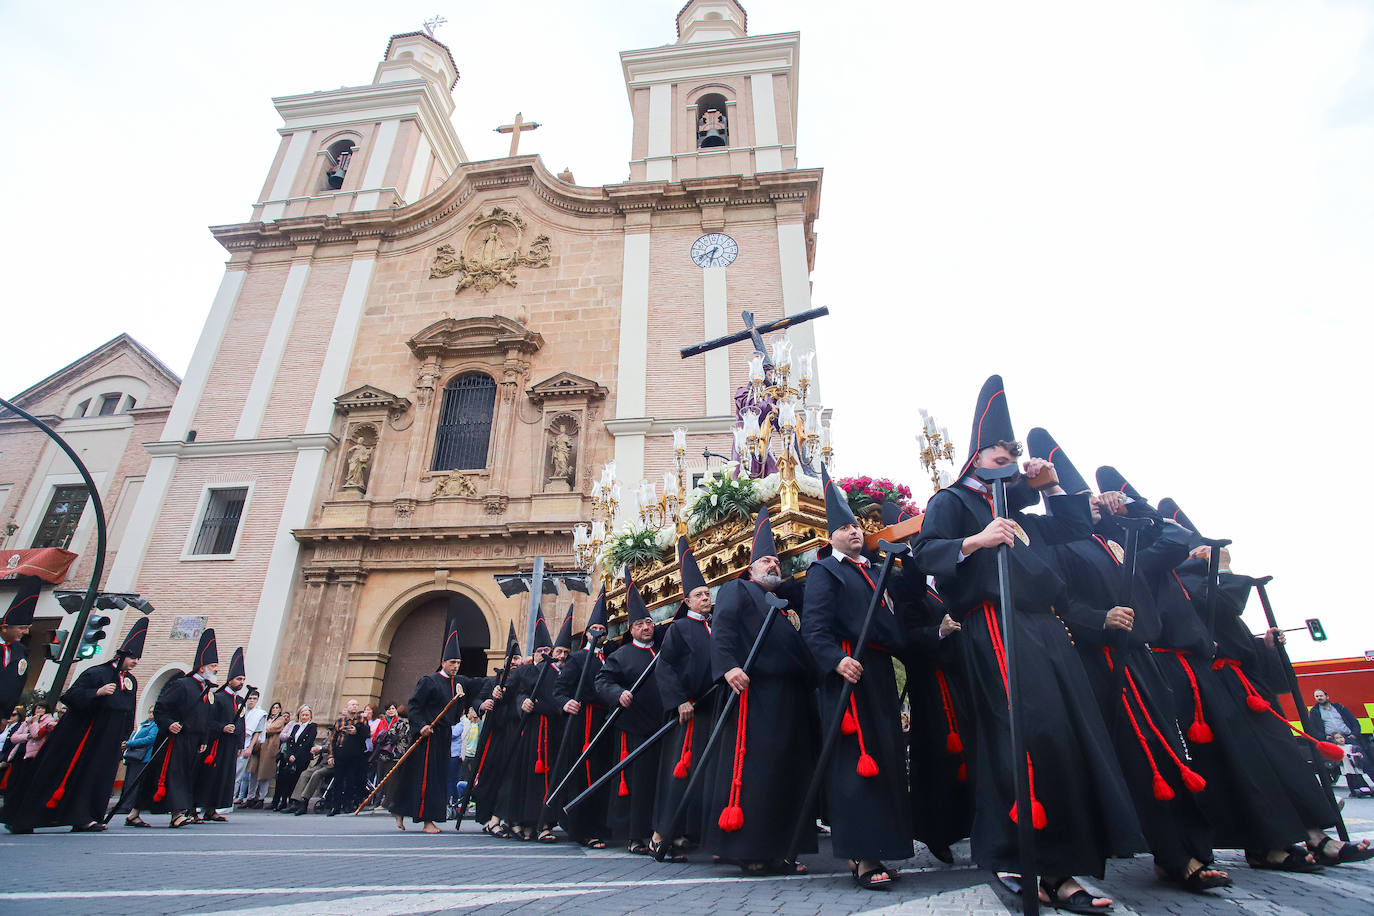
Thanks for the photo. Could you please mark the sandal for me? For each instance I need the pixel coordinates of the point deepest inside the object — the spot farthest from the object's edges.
(1348, 852)
(595, 844)
(639, 848)
(180, 820)
(869, 880)
(1294, 860)
(217, 817)
(1198, 880)
(92, 827)
(668, 854)
(546, 836)
(1080, 901)
(134, 820)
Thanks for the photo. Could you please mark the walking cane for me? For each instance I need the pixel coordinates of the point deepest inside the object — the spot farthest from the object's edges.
(775, 604)
(1296, 691)
(1025, 828)
(635, 754)
(395, 769)
(806, 816)
(547, 811)
(129, 787)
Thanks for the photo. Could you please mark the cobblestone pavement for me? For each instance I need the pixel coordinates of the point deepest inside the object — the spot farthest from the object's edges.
(261, 863)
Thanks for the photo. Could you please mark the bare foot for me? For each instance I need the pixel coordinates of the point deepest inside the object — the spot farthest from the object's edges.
(430, 827)
(400, 822)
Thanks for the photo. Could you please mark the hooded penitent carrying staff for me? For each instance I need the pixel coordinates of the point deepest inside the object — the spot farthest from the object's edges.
(73, 774)
(575, 688)
(528, 766)
(865, 779)
(589, 644)
(489, 728)
(218, 763)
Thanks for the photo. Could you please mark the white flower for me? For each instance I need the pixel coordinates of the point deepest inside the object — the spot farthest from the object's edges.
(715, 500)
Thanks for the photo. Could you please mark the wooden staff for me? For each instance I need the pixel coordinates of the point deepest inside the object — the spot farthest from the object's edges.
(397, 768)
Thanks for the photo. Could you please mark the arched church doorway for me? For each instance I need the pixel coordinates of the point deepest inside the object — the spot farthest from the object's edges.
(416, 644)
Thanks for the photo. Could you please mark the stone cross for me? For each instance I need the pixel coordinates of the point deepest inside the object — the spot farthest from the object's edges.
(515, 130)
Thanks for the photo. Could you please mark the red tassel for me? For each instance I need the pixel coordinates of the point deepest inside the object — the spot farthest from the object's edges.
(731, 818)
(1038, 816)
(1162, 790)
(680, 768)
(1256, 703)
(868, 767)
(953, 743)
(962, 775)
(1332, 752)
(57, 796)
(1200, 733)
(541, 767)
(848, 726)
(1192, 779)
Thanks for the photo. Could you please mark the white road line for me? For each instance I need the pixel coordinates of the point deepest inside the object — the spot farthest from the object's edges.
(355, 854)
(398, 904)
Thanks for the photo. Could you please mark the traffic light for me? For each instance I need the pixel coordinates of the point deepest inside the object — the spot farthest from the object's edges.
(1314, 626)
(56, 641)
(70, 601)
(91, 639)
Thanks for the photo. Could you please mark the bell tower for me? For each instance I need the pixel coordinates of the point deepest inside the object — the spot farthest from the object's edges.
(368, 147)
(717, 102)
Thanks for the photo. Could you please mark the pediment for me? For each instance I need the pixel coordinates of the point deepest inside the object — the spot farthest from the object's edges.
(494, 335)
(370, 397)
(566, 385)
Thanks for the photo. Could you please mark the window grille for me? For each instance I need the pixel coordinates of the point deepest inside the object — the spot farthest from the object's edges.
(465, 423)
(63, 515)
(220, 524)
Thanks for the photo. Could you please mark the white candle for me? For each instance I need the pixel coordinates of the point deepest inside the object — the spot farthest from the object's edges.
(741, 442)
(598, 491)
(805, 367)
(787, 412)
(751, 423)
(598, 531)
(782, 351)
(813, 420)
(579, 536)
(756, 368)
(670, 488)
(825, 436)
(680, 439)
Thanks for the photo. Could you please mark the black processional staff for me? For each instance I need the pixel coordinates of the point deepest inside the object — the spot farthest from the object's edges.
(777, 605)
(1025, 828)
(1214, 547)
(1133, 528)
(604, 730)
(591, 641)
(133, 783)
(512, 650)
(1296, 691)
(805, 815)
(635, 754)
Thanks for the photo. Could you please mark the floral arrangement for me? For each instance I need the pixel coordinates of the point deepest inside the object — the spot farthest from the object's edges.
(721, 496)
(635, 545)
(867, 493)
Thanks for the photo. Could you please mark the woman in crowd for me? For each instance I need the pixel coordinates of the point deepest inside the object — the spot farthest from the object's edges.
(26, 741)
(138, 750)
(292, 756)
(263, 763)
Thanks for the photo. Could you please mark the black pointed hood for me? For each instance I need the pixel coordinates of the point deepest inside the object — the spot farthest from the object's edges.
(132, 646)
(564, 639)
(1109, 478)
(512, 642)
(1170, 510)
(452, 648)
(837, 511)
(597, 618)
(692, 579)
(635, 608)
(542, 639)
(207, 651)
(1041, 444)
(763, 545)
(991, 421)
(24, 603)
(236, 667)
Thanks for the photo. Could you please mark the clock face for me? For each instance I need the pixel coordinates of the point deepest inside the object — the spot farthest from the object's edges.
(715, 249)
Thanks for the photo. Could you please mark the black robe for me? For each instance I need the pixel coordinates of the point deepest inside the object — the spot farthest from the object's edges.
(587, 821)
(939, 741)
(631, 811)
(869, 815)
(775, 757)
(531, 768)
(14, 667)
(1135, 701)
(218, 766)
(170, 781)
(683, 674)
(497, 739)
(72, 777)
(1087, 810)
(423, 790)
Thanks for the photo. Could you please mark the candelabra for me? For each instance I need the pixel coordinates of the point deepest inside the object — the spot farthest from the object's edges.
(588, 538)
(935, 447)
(804, 436)
(657, 511)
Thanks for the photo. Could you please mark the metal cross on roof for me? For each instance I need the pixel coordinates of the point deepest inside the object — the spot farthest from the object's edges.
(433, 23)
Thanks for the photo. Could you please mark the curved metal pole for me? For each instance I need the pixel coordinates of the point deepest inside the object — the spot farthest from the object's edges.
(79, 627)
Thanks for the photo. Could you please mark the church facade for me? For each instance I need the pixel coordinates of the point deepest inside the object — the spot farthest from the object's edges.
(416, 364)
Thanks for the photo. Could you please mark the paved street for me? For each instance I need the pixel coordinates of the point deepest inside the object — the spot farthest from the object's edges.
(263, 863)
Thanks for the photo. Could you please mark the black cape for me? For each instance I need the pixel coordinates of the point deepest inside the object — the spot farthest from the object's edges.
(587, 821)
(631, 811)
(423, 790)
(218, 767)
(531, 767)
(170, 780)
(683, 674)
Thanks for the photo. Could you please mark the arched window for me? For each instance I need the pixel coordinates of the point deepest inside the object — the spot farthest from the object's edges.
(465, 423)
(713, 127)
(337, 160)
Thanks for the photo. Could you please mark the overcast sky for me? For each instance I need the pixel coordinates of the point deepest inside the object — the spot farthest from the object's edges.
(1154, 220)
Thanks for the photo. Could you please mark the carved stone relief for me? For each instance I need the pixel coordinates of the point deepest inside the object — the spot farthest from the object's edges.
(492, 252)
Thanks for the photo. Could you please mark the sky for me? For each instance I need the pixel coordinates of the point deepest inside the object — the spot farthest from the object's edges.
(1153, 220)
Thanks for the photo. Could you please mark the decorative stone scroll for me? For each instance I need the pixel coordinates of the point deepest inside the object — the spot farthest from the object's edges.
(492, 252)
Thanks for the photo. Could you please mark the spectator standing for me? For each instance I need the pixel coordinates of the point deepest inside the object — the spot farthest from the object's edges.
(455, 761)
(296, 740)
(349, 747)
(472, 729)
(138, 750)
(26, 741)
(393, 744)
(263, 759)
(250, 726)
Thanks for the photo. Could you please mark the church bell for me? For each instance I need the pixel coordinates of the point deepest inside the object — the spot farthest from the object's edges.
(712, 130)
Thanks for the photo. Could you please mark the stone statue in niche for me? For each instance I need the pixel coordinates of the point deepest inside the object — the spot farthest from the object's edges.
(358, 460)
(562, 463)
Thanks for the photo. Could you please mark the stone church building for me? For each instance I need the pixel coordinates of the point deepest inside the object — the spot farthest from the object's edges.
(416, 364)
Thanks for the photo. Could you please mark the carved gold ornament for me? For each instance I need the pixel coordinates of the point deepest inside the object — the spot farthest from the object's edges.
(494, 249)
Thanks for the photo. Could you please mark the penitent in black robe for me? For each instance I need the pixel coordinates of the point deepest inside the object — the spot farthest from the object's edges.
(531, 767)
(14, 667)
(423, 790)
(631, 811)
(1136, 702)
(219, 763)
(1084, 808)
(869, 815)
(587, 821)
(683, 674)
(170, 781)
(72, 777)
(770, 741)
(499, 731)
(938, 745)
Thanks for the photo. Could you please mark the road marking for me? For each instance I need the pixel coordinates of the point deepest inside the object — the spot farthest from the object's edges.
(357, 854)
(398, 904)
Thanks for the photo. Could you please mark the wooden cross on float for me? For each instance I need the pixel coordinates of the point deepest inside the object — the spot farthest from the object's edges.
(755, 333)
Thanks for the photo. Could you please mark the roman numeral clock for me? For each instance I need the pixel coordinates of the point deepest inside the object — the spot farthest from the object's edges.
(714, 249)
